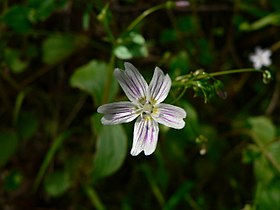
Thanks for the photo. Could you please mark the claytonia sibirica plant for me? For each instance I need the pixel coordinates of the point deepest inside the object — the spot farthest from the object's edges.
(260, 58)
(146, 105)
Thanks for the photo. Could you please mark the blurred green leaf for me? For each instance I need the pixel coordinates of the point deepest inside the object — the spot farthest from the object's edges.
(206, 52)
(17, 19)
(275, 4)
(137, 38)
(91, 78)
(96, 123)
(250, 154)
(58, 47)
(187, 24)
(111, 151)
(263, 128)
(168, 35)
(179, 64)
(14, 60)
(266, 167)
(8, 146)
(27, 125)
(263, 170)
(41, 10)
(267, 196)
(122, 52)
(131, 45)
(181, 194)
(86, 21)
(57, 183)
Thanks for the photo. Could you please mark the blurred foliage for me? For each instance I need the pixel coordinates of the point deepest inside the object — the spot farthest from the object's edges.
(56, 68)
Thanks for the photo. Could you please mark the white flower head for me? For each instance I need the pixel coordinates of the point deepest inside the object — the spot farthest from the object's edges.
(145, 105)
(260, 58)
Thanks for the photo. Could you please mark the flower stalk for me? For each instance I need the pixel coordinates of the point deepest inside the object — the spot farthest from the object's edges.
(142, 16)
(206, 83)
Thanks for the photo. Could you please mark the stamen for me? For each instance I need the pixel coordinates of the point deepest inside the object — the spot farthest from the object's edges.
(148, 108)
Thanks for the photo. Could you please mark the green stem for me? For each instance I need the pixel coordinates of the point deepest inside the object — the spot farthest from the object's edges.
(109, 32)
(108, 82)
(18, 104)
(103, 18)
(93, 196)
(49, 156)
(181, 80)
(155, 188)
(180, 96)
(234, 71)
(10, 80)
(145, 14)
(275, 46)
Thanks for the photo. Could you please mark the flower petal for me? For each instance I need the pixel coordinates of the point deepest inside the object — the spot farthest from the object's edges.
(169, 115)
(132, 83)
(159, 86)
(145, 136)
(118, 112)
(260, 58)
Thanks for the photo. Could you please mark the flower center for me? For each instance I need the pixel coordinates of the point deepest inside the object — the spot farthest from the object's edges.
(148, 108)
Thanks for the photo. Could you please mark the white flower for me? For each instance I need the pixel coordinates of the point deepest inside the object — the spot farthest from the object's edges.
(260, 58)
(145, 105)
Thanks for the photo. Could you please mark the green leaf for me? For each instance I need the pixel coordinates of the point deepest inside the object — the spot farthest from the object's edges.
(8, 146)
(27, 125)
(137, 38)
(13, 60)
(206, 52)
(96, 123)
(122, 52)
(41, 9)
(111, 151)
(262, 128)
(187, 23)
(179, 195)
(17, 19)
(57, 183)
(179, 64)
(263, 170)
(266, 169)
(131, 45)
(267, 196)
(275, 4)
(58, 47)
(168, 35)
(91, 78)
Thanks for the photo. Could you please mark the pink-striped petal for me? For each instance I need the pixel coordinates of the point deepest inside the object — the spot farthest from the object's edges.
(118, 112)
(145, 136)
(169, 115)
(132, 83)
(159, 86)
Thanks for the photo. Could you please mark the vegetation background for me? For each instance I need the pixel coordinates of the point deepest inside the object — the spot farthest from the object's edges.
(56, 63)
